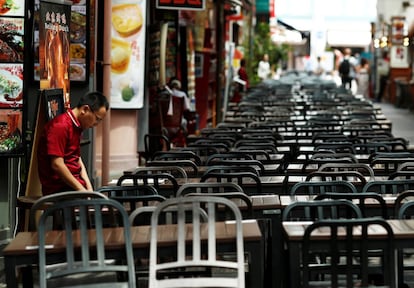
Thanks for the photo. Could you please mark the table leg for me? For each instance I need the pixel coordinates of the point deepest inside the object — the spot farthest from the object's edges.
(10, 271)
(294, 265)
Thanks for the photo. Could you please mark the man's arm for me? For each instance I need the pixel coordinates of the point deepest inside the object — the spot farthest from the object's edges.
(85, 176)
(58, 165)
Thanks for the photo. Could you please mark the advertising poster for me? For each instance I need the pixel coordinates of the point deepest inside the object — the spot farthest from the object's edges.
(11, 85)
(11, 39)
(12, 8)
(54, 46)
(128, 54)
(10, 130)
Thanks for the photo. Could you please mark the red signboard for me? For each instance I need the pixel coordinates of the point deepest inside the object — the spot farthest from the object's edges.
(181, 4)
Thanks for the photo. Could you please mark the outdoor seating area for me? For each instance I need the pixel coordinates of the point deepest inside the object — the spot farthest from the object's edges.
(302, 185)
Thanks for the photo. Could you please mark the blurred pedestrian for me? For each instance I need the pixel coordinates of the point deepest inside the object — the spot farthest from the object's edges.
(363, 78)
(347, 69)
(263, 70)
(383, 72)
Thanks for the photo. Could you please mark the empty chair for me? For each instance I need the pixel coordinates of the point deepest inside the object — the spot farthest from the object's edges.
(320, 209)
(175, 268)
(177, 155)
(227, 156)
(156, 180)
(190, 167)
(362, 168)
(321, 187)
(370, 204)
(403, 197)
(80, 257)
(176, 171)
(256, 164)
(344, 241)
(43, 202)
(388, 186)
(132, 190)
(249, 181)
(209, 187)
(351, 176)
(154, 143)
(231, 169)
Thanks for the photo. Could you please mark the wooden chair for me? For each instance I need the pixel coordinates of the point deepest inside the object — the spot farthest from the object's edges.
(349, 239)
(86, 259)
(180, 271)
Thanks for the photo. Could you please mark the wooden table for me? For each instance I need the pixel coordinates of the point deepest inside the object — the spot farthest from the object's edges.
(22, 250)
(403, 238)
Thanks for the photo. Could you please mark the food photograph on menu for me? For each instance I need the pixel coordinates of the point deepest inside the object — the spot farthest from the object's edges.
(78, 36)
(127, 54)
(11, 85)
(10, 130)
(11, 39)
(12, 7)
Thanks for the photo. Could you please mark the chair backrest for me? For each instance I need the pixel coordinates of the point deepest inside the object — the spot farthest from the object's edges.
(155, 180)
(240, 178)
(189, 166)
(43, 202)
(131, 203)
(80, 256)
(227, 156)
(154, 143)
(320, 209)
(256, 164)
(406, 210)
(402, 198)
(347, 240)
(350, 176)
(388, 186)
(362, 168)
(369, 203)
(194, 257)
(209, 187)
(177, 155)
(321, 187)
(132, 190)
(176, 171)
(243, 202)
(231, 169)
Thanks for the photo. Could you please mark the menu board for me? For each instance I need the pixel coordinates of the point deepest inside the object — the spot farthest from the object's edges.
(79, 42)
(128, 54)
(12, 30)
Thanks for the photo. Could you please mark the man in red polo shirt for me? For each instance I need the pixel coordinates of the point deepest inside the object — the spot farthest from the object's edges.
(60, 165)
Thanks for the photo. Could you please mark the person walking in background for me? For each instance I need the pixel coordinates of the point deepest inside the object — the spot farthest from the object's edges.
(347, 69)
(319, 70)
(263, 70)
(383, 72)
(60, 165)
(363, 78)
(240, 86)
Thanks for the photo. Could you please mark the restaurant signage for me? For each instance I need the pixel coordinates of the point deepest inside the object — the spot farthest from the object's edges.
(181, 4)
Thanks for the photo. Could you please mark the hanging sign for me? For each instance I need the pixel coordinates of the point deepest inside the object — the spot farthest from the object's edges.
(54, 45)
(181, 4)
(128, 54)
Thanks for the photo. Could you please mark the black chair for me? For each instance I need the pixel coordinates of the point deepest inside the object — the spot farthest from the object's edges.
(347, 240)
(321, 187)
(321, 209)
(256, 164)
(80, 257)
(176, 171)
(388, 186)
(362, 168)
(231, 169)
(403, 197)
(177, 155)
(369, 203)
(156, 180)
(131, 190)
(237, 177)
(209, 187)
(154, 143)
(190, 167)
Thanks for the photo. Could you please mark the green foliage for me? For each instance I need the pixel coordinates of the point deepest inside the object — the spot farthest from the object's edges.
(262, 44)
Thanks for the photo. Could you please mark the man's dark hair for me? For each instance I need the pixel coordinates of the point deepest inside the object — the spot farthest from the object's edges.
(94, 100)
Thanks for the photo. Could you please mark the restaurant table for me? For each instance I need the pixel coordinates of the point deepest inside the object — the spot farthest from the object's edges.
(22, 251)
(403, 238)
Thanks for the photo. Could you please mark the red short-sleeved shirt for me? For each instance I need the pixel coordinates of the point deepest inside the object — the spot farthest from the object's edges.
(60, 137)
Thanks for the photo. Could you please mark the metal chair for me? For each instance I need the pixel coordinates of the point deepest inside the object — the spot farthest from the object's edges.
(155, 180)
(362, 200)
(321, 187)
(388, 186)
(209, 187)
(80, 257)
(237, 177)
(349, 239)
(320, 209)
(180, 270)
(43, 202)
(189, 166)
(176, 171)
(362, 168)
